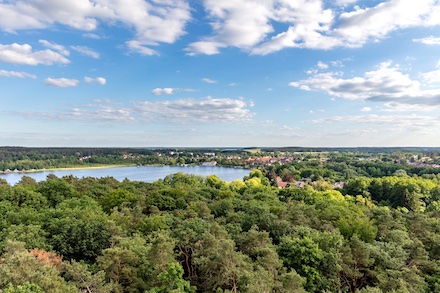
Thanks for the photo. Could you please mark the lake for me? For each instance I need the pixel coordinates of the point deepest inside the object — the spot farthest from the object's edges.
(144, 173)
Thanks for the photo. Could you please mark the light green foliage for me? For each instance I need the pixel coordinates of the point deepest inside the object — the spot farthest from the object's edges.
(33, 236)
(25, 288)
(126, 263)
(17, 267)
(183, 180)
(155, 223)
(237, 185)
(214, 181)
(314, 255)
(173, 281)
(80, 275)
(22, 196)
(116, 197)
(218, 259)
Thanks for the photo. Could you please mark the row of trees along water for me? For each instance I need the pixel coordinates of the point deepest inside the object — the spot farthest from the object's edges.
(21, 158)
(191, 234)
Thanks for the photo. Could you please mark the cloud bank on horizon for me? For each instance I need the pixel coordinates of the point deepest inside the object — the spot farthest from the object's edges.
(220, 73)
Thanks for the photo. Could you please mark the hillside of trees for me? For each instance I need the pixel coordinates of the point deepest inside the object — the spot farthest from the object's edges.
(192, 234)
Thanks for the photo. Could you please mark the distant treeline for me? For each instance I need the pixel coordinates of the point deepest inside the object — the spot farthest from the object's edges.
(363, 150)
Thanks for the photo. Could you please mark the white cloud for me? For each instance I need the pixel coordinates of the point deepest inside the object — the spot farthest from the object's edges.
(247, 24)
(366, 109)
(162, 91)
(237, 23)
(153, 22)
(428, 40)
(207, 80)
(204, 47)
(432, 76)
(363, 24)
(169, 91)
(98, 80)
(322, 65)
(399, 122)
(140, 48)
(86, 51)
(386, 83)
(401, 107)
(93, 36)
(23, 55)
(61, 82)
(19, 74)
(189, 110)
(345, 2)
(209, 110)
(337, 63)
(60, 48)
(97, 113)
(250, 25)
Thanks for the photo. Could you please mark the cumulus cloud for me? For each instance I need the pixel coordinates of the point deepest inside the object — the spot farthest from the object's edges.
(153, 22)
(250, 25)
(238, 23)
(366, 109)
(208, 80)
(97, 80)
(428, 40)
(61, 82)
(190, 110)
(86, 51)
(19, 74)
(23, 55)
(258, 27)
(44, 13)
(386, 83)
(162, 91)
(360, 25)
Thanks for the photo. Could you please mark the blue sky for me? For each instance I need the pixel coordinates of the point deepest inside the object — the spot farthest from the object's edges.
(224, 73)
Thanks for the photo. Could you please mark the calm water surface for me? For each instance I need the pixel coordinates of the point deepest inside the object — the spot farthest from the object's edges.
(145, 173)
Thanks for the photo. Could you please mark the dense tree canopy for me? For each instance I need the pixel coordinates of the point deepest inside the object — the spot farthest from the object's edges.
(187, 233)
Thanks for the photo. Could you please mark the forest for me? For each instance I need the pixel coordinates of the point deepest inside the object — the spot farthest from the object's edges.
(380, 232)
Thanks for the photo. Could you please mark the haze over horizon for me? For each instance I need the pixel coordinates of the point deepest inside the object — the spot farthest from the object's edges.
(135, 73)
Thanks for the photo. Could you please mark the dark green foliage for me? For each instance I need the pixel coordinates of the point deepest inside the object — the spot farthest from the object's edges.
(56, 190)
(79, 239)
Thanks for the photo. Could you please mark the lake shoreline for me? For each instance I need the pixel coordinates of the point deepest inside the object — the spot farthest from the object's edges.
(65, 169)
(104, 167)
(134, 173)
